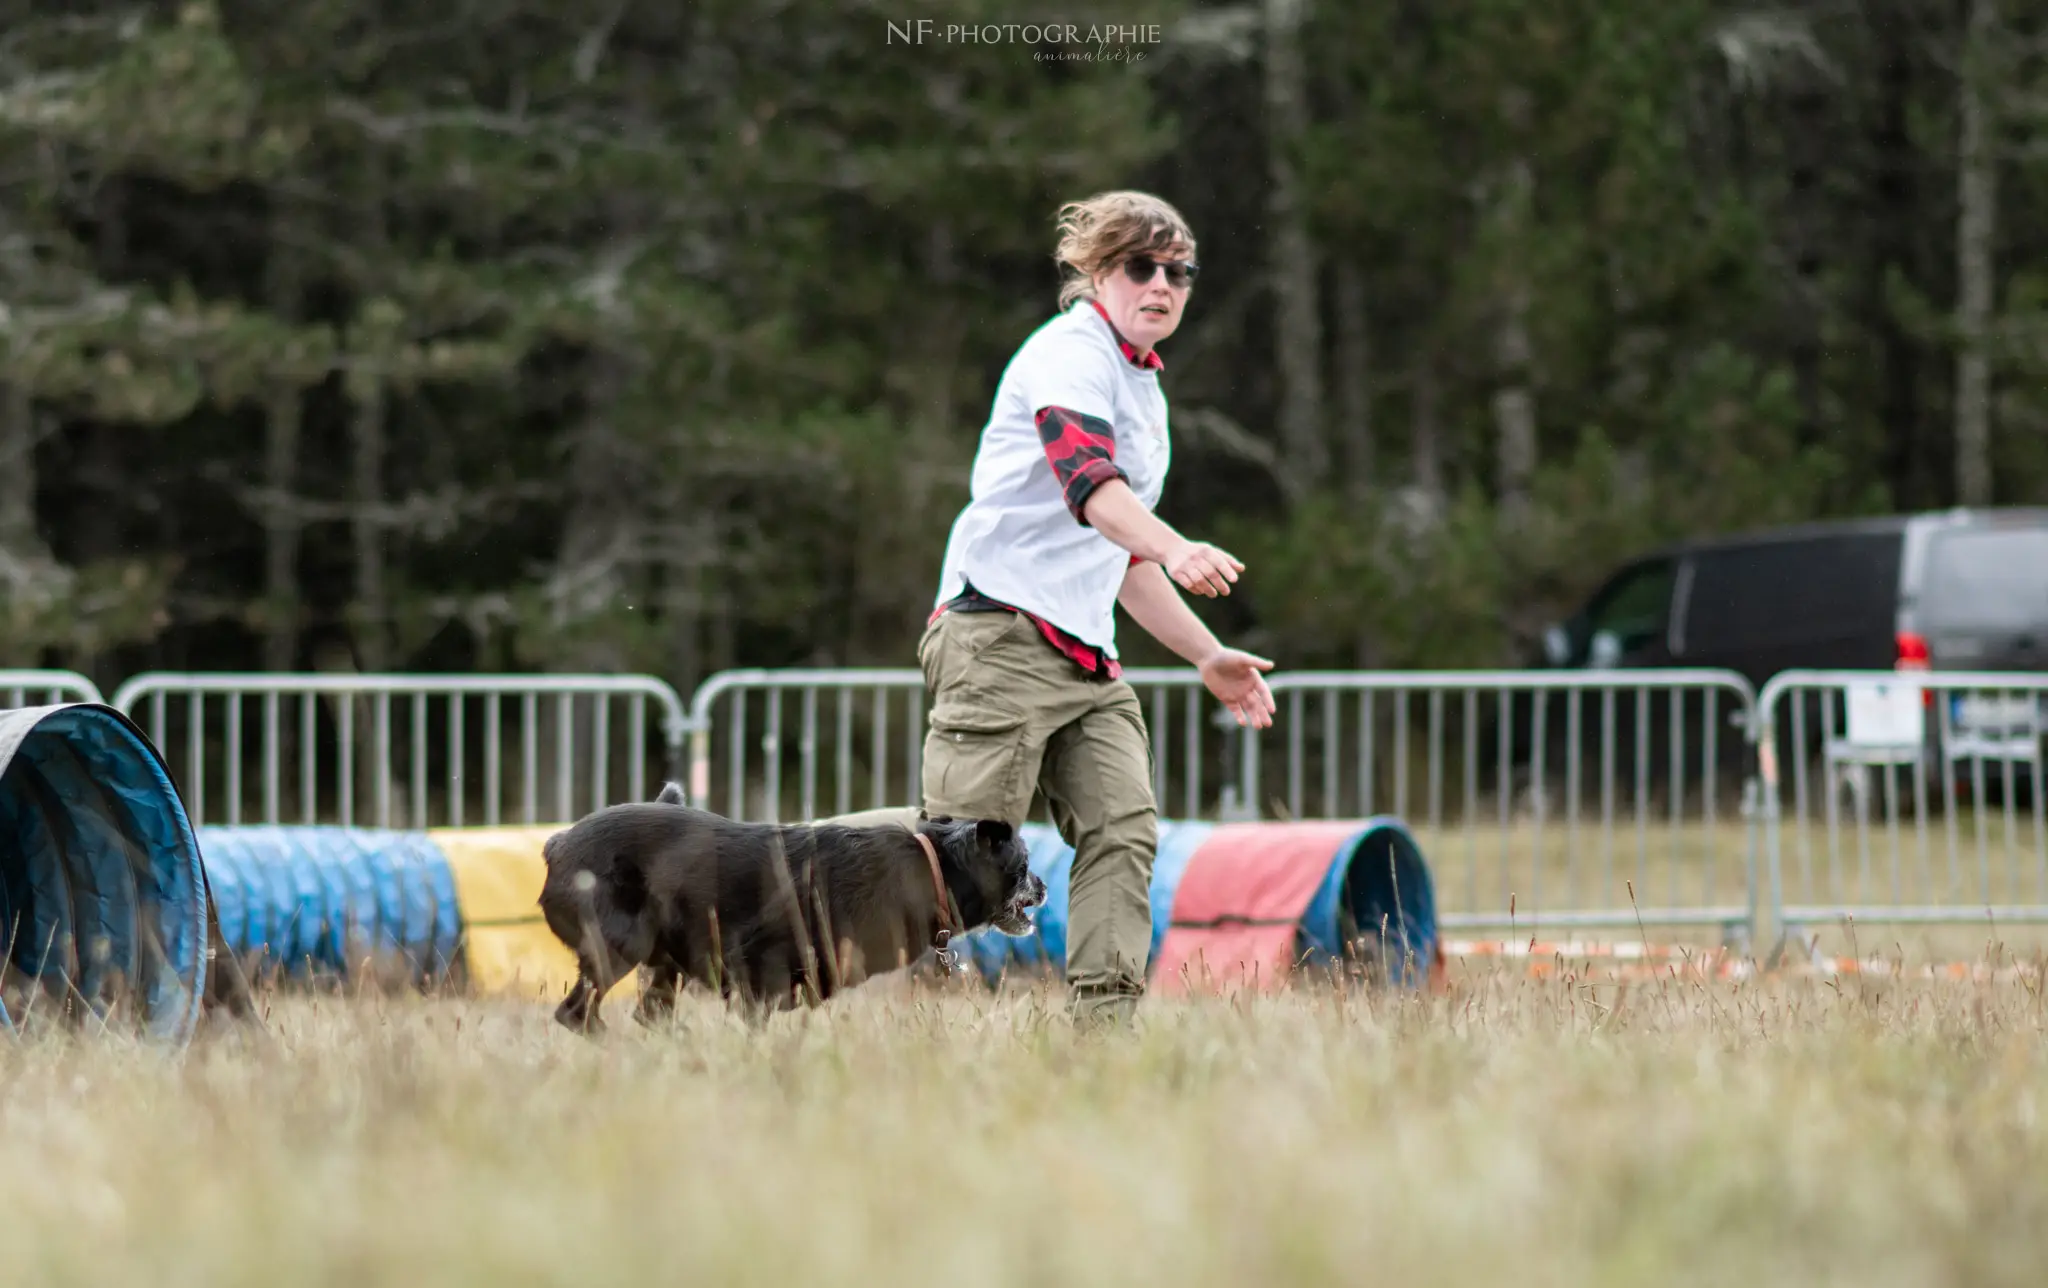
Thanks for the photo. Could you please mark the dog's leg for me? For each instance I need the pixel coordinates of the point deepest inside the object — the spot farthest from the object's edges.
(761, 980)
(738, 970)
(658, 1002)
(579, 1010)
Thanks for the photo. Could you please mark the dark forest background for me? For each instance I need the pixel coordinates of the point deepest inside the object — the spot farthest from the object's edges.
(624, 335)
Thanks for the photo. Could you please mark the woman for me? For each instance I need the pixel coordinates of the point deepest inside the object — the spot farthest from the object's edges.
(1020, 656)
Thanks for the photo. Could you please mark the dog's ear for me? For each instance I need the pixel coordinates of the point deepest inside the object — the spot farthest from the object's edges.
(671, 794)
(994, 833)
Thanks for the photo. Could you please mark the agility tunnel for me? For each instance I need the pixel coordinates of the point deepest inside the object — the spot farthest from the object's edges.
(455, 908)
(330, 902)
(102, 888)
(1251, 903)
(1251, 900)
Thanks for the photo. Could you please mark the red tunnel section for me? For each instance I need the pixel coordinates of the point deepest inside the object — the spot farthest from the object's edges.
(1240, 902)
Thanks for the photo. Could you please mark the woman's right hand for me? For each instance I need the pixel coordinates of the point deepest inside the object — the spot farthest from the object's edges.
(1203, 569)
(1195, 566)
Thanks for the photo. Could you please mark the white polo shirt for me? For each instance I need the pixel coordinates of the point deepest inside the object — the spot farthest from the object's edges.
(1018, 541)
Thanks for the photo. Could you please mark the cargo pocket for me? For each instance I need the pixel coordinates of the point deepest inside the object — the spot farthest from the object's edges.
(951, 645)
(973, 761)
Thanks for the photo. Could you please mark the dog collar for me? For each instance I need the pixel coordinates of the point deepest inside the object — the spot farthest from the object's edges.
(931, 858)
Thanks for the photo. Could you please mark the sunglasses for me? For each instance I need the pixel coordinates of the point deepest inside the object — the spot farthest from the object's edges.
(1180, 274)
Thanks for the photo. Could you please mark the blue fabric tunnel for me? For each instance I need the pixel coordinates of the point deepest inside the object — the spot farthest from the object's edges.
(102, 892)
(1378, 887)
(318, 901)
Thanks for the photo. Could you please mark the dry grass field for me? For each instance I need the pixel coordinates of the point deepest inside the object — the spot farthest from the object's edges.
(1563, 1131)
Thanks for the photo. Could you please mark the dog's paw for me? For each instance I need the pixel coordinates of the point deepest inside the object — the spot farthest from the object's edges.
(579, 1020)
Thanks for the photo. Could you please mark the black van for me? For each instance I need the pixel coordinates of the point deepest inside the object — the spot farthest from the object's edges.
(1956, 590)
(1951, 590)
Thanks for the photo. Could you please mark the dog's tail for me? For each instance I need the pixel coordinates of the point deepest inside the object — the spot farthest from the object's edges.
(671, 794)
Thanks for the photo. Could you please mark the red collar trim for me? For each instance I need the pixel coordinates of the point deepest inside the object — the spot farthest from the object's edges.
(1150, 362)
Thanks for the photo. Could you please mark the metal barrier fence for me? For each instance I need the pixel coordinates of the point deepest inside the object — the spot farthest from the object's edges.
(45, 688)
(1586, 799)
(1904, 798)
(407, 750)
(1583, 799)
(875, 752)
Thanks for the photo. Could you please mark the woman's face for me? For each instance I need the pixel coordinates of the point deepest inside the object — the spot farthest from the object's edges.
(1144, 312)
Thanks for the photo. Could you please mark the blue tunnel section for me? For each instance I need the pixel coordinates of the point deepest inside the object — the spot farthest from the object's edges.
(1378, 886)
(1052, 860)
(102, 889)
(317, 902)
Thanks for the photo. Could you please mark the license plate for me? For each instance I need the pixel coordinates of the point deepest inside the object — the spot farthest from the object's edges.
(2003, 713)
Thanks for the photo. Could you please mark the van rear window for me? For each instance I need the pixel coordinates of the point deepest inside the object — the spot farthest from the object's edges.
(1786, 593)
(1986, 579)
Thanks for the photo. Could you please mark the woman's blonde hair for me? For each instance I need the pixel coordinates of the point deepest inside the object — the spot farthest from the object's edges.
(1101, 231)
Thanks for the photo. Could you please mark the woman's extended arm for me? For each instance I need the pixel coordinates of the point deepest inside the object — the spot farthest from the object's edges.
(1116, 512)
(1231, 674)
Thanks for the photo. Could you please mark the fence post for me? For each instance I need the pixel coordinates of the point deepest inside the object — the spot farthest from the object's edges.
(1767, 895)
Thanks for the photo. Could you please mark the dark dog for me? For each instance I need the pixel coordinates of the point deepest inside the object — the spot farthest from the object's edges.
(763, 912)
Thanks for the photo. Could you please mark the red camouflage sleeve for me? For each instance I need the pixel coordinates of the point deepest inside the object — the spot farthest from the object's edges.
(1082, 450)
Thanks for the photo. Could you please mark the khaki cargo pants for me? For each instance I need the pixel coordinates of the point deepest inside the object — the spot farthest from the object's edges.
(1012, 716)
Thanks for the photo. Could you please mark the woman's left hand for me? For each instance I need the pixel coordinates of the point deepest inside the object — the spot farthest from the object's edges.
(1234, 677)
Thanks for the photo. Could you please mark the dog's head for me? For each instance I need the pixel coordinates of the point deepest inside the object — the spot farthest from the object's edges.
(991, 857)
